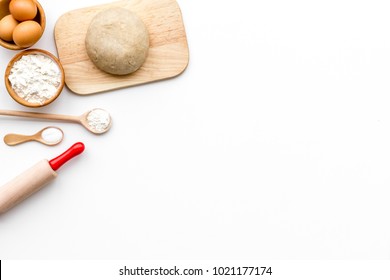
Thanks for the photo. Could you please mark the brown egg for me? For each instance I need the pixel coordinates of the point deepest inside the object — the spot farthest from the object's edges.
(7, 26)
(27, 33)
(23, 9)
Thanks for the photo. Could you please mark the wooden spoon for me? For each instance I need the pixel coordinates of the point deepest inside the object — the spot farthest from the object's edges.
(49, 136)
(97, 121)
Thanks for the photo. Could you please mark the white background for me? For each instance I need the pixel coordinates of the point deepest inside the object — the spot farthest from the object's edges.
(275, 143)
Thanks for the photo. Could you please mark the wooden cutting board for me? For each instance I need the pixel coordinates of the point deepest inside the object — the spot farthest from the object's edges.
(168, 54)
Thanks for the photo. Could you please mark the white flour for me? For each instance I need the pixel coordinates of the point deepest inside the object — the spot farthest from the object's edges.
(52, 135)
(35, 78)
(98, 120)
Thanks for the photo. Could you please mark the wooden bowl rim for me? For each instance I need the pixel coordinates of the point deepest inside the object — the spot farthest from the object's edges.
(42, 23)
(11, 91)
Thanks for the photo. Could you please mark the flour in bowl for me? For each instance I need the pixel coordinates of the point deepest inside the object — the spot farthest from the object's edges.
(36, 78)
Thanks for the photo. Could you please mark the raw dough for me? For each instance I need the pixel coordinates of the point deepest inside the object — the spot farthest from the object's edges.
(117, 41)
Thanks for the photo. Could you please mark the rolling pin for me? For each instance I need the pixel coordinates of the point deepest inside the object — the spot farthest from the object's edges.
(34, 179)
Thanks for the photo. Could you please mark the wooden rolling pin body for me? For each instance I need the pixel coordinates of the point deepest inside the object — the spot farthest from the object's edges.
(26, 184)
(34, 178)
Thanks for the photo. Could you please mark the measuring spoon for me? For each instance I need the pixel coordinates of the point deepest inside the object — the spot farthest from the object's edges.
(97, 121)
(49, 136)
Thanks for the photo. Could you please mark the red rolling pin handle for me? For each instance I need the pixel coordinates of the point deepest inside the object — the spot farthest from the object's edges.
(73, 151)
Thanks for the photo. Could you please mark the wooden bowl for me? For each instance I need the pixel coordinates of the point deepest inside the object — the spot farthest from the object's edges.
(40, 18)
(21, 100)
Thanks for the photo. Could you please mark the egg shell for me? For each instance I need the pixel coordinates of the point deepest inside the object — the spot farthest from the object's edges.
(27, 33)
(4, 8)
(7, 26)
(23, 10)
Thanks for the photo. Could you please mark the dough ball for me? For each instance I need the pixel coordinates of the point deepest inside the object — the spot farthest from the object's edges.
(117, 41)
